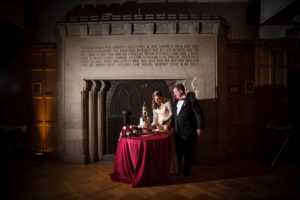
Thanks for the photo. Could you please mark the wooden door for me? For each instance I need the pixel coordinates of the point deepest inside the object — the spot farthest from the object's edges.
(42, 127)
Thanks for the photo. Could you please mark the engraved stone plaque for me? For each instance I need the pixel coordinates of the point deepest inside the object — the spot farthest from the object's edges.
(140, 55)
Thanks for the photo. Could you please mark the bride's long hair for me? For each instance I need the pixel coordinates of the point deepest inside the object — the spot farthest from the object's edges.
(155, 105)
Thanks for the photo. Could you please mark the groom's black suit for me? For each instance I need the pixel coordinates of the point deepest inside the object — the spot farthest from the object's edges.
(186, 123)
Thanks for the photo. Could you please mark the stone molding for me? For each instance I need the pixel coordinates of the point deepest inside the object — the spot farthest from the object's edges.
(141, 24)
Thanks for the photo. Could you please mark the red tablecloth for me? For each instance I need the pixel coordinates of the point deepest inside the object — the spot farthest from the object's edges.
(143, 160)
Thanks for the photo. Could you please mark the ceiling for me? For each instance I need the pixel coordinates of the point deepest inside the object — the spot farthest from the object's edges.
(289, 15)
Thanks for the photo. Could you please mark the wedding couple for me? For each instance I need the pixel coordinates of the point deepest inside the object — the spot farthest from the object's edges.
(183, 120)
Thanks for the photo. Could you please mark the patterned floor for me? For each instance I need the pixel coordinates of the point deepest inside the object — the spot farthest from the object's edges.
(231, 180)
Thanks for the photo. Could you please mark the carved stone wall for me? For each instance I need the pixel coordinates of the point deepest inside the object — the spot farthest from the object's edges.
(134, 47)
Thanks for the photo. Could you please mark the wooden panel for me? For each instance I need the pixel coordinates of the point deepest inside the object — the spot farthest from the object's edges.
(248, 73)
(51, 138)
(37, 76)
(50, 112)
(50, 59)
(234, 111)
(249, 135)
(247, 113)
(279, 76)
(248, 60)
(234, 76)
(50, 82)
(263, 57)
(277, 58)
(264, 76)
(240, 105)
(234, 139)
(38, 60)
(38, 138)
(37, 109)
(234, 58)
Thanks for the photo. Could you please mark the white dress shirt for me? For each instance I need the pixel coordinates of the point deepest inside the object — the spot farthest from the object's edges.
(179, 105)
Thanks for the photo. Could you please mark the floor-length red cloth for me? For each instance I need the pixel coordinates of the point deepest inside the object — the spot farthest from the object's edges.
(143, 160)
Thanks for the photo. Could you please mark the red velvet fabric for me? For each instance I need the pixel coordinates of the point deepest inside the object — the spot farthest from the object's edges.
(143, 160)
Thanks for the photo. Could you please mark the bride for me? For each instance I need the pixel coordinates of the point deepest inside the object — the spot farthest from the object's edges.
(162, 114)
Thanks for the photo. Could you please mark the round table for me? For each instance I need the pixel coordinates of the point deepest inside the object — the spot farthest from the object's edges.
(143, 160)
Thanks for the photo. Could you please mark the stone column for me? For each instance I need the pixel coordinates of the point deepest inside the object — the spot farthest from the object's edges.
(94, 121)
(90, 120)
(86, 86)
(101, 119)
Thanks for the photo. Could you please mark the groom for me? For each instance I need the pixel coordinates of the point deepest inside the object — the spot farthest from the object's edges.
(187, 121)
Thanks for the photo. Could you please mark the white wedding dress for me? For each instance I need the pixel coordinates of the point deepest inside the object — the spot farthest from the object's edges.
(162, 114)
(161, 119)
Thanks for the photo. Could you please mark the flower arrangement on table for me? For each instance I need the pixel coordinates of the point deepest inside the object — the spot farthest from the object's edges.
(144, 127)
(130, 131)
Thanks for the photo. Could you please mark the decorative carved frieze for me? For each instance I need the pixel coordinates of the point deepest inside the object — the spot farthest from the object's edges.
(143, 28)
(208, 27)
(84, 18)
(73, 19)
(73, 29)
(98, 29)
(173, 28)
(105, 17)
(83, 30)
(116, 17)
(117, 29)
(189, 27)
(194, 16)
(172, 16)
(184, 16)
(94, 18)
(127, 28)
(138, 17)
(94, 29)
(127, 17)
(165, 27)
(142, 24)
(184, 27)
(161, 16)
(149, 17)
(121, 28)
